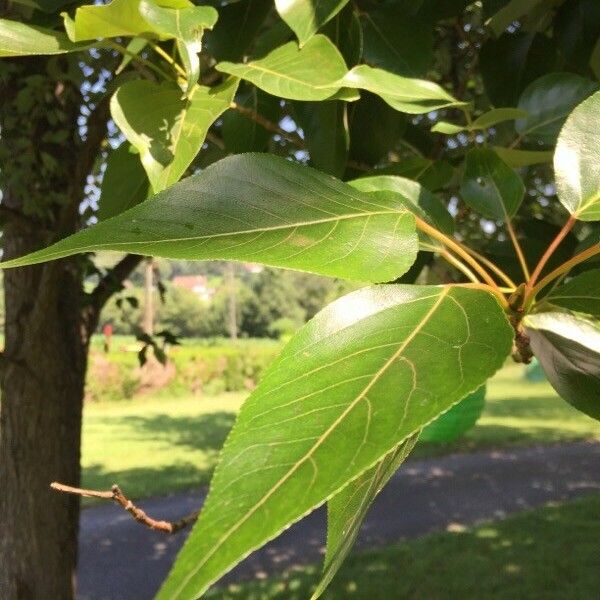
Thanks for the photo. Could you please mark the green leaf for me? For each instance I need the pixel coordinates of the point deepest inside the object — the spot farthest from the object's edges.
(513, 11)
(124, 183)
(325, 129)
(19, 39)
(347, 509)
(186, 26)
(306, 17)
(375, 128)
(581, 294)
(413, 96)
(168, 130)
(448, 128)
(548, 100)
(117, 18)
(415, 197)
(397, 42)
(431, 174)
(372, 368)
(490, 186)
(290, 72)
(495, 116)
(134, 47)
(576, 164)
(243, 134)
(236, 29)
(511, 62)
(568, 348)
(486, 120)
(345, 31)
(453, 424)
(523, 158)
(259, 208)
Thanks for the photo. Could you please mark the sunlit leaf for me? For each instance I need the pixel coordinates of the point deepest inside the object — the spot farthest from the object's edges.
(186, 26)
(414, 96)
(117, 18)
(490, 186)
(313, 72)
(306, 17)
(19, 39)
(568, 348)
(576, 164)
(260, 208)
(365, 374)
(347, 509)
(168, 130)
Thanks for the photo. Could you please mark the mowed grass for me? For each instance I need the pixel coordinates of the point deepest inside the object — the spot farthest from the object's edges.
(550, 553)
(156, 446)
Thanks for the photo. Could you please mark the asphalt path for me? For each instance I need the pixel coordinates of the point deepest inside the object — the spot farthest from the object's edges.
(121, 560)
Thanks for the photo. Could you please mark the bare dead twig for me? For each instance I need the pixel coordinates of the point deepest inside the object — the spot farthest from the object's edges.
(137, 513)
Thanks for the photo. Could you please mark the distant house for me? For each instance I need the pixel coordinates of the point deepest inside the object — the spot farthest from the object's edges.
(253, 268)
(195, 283)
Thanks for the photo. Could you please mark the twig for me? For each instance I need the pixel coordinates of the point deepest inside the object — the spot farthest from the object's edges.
(137, 513)
(290, 136)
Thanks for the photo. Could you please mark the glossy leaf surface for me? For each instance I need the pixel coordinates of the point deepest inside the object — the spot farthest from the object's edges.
(417, 199)
(568, 348)
(260, 208)
(168, 130)
(490, 186)
(313, 72)
(547, 101)
(347, 509)
(306, 17)
(374, 367)
(413, 96)
(576, 163)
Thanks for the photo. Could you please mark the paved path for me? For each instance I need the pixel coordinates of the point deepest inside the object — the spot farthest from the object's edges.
(120, 560)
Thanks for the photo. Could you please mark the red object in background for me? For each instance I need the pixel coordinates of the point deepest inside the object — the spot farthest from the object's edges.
(107, 330)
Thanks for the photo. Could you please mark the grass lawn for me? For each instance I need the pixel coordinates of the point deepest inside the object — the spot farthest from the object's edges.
(155, 446)
(549, 553)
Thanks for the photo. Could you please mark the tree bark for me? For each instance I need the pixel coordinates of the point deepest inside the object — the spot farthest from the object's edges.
(40, 429)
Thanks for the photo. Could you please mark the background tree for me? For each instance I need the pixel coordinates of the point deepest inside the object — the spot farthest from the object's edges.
(347, 100)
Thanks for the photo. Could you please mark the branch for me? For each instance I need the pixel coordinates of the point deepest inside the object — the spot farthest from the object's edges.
(137, 513)
(113, 280)
(291, 137)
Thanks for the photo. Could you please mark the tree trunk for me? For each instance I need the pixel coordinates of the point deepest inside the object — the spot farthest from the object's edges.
(42, 385)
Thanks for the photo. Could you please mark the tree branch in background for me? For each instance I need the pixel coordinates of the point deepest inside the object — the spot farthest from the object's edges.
(137, 513)
(113, 280)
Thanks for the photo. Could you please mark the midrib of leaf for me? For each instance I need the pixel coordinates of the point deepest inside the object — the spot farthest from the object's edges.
(293, 79)
(322, 438)
(588, 203)
(361, 215)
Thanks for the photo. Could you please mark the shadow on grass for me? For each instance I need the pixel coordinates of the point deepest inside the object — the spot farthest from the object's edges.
(549, 553)
(205, 432)
(162, 435)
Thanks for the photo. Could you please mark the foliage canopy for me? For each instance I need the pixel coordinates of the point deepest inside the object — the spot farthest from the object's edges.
(390, 103)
